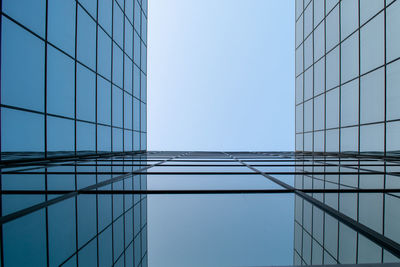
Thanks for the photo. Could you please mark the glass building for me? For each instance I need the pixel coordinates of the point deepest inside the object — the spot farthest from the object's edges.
(347, 76)
(78, 188)
(73, 77)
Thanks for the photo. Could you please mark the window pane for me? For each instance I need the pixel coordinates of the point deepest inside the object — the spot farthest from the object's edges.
(308, 51)
(299, 89)
(127, 111)
(143, 87)
(85, 137)
(299, 60)
(86, 39)
(143, 58)
(392, 31)
(308, 20)
(117, 140)
(318, 11)
(372, 44)
(117, 66)
(23, 54)
(60, 83)
(308, 84)
(368, 8)
(332, 69)
(128, 38)
(31, 14)
(103, 101)
(332, 108)
(143, 117)
(372, 97)
(349, 103)
(104, 54)
(319, 112)
(393, 90)
(25, 236)
(137, 17)
(128, 75)
(105, 14)
(349, 17)
(136, 49)
(90, 5)
(61, 25)
(299, 31)
(117, 107)
(136, 81)
(319, 42)
(332, 141)
(349, 139)
(118, 25)
(103, 138)
(136, 114)
(25, 135)
(308, 116)
(332, 29)
(392, 136)
(371, 138)
(144, 28)
(60, 134)
(349, 58)
(319, 77)
(85, 94)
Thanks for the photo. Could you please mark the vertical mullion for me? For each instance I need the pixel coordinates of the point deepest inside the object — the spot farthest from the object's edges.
(123, 125)
(385, 126)
(339, 123)
(75, 122)
(359, 129)
(324, 185)
(96, 132)
(112, 129)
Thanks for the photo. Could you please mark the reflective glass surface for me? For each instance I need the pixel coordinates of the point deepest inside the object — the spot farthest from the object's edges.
(201, 209)
(71, 72)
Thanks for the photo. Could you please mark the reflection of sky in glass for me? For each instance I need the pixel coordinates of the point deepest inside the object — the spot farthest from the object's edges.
(220, 230)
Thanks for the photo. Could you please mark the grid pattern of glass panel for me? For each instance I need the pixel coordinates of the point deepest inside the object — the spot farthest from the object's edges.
(347, 69)
(73, 77)
(94, 209)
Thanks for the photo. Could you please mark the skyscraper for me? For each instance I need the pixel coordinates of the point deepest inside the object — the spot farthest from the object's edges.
(347, 76)
(73, 86)
(73, 77)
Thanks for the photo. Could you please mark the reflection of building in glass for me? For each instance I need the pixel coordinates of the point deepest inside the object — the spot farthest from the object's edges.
(73, 77)
(347, 76)
(73, 213)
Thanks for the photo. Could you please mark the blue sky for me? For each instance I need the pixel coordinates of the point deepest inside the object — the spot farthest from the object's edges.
(221, 75)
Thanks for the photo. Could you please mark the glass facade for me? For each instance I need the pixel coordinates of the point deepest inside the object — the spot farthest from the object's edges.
(347, 69)
(73, 77)
(200, 209)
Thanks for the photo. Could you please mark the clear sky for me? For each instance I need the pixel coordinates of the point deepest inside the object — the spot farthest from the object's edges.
(221, 75)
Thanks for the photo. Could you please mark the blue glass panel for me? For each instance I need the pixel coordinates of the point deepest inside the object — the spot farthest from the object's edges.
(136, 141)
(129, 256)
(104, 54)
(31, 14)
(88, 255)
(129, 10)
(103, 101)
(128, 75)
(137, 16)
(86, 39)
(118, 234)
(61, 24)
(144, 28)
(85, 94)
(128, 140)
(86, 218)
(90, 6)
(136, 49)
(143, 141)
(118, 25)
(60, 83)
(60, 134)
(136, 114)
(103, 138)
(143, 117)
(138, 250)
(144, 6)
(117, 140)
(23, 54)
(62, 231)
(61, 181)
(127, 111)
(128, 38)
(105, 14)
(105, 246)
(21, 131)
(136, 81)
(117, 66)
(143, 83)
(85, 137)
(24, 240)
(117, 106)
(143, 62)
